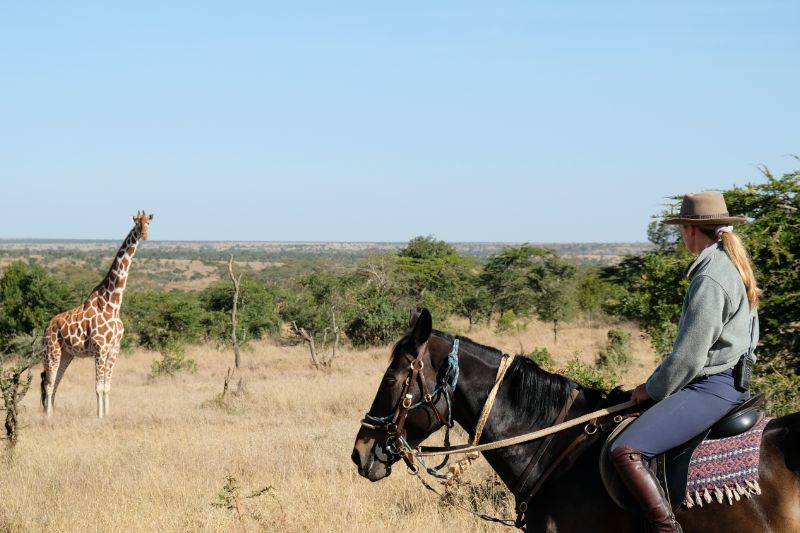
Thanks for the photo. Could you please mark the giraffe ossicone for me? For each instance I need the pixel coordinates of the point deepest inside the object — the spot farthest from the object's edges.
(93, 328)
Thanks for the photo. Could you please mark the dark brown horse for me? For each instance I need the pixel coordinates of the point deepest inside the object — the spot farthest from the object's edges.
(573, 499)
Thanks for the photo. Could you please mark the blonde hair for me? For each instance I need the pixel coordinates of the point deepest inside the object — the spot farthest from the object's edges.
(735, 249)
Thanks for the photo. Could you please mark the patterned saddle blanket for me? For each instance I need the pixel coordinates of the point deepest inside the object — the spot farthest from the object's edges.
(725, 469)
(699, 472)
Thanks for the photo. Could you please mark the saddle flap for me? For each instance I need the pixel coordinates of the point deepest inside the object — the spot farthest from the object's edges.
(614, 486)
(670, 468)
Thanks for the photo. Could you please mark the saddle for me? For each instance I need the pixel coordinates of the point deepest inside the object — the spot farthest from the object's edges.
(672, 467)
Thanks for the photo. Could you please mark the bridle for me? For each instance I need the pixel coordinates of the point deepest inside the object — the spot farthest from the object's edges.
(393, 424)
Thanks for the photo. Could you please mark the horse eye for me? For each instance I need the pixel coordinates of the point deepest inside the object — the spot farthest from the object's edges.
(389, 381)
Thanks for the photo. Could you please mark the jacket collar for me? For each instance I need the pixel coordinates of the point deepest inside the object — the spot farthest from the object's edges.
(703, 258)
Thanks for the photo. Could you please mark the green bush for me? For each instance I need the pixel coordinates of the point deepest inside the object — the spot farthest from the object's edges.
(427, 248)
(379, 319)
(507, 322)
(616, 357)
(589, 376)
(432, 274)
(593, 294)
(542, 358)
(166, 321)
(311, 298)
(653, 288)
(29, 298)
(171, 363)
(510, 277)
(256, 314)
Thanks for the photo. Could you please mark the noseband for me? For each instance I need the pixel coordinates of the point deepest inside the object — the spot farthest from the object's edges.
(394, 423)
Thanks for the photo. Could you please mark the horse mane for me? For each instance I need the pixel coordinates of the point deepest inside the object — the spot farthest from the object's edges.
(538, 393)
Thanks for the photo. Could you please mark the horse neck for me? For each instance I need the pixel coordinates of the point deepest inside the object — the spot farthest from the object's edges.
(478, 371)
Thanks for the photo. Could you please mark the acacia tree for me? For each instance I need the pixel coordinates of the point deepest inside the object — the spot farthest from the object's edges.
(526, 279)
(555, 290)
(433, 274)
(510, 277)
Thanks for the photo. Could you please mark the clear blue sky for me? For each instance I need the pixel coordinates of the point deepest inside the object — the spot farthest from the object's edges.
(491, 121)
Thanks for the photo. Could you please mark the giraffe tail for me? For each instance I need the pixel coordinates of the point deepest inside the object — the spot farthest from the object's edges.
(44, 394)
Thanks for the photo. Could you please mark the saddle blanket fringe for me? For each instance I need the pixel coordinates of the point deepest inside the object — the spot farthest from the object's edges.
(725, 469)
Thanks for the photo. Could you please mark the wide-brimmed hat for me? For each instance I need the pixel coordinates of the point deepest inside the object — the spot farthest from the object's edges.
(704, 209)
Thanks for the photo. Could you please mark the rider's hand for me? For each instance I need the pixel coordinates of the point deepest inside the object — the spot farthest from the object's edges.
(639, 394)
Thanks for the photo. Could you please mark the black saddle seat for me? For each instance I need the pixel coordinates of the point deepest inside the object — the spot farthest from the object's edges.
(738, 420)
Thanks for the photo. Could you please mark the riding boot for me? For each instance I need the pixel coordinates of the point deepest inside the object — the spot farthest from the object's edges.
(644, 487)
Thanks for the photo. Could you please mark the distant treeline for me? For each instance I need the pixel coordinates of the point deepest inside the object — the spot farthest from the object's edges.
(344, 253)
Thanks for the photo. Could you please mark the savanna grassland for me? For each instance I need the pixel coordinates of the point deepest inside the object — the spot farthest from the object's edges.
(161, 460)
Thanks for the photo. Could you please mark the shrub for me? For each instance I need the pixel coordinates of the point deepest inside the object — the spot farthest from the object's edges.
(379, 319)
(427, 248)
(29, 298)
(311, 298)
(507, 322)
(542, 358)
(593, 294)
(257, 311)
(616, 356)
(165, 321)
(172, 362)
(588, 376)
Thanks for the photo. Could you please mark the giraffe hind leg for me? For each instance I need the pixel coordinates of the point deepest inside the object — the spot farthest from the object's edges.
(51, 362)
(66, 359)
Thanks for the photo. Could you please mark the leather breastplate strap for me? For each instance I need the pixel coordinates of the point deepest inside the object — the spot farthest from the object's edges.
(565, 459)
(522, 483)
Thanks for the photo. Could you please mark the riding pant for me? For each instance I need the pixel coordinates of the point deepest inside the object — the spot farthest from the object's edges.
(681, 415)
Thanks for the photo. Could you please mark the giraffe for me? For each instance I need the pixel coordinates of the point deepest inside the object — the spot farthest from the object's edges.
(93, 329)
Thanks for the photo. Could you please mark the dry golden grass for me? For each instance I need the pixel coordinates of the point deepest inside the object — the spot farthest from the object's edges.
(160, 460)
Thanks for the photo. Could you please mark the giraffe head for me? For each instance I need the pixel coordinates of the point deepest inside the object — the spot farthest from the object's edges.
(142, 220)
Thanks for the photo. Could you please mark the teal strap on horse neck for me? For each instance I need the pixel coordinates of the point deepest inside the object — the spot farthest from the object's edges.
(452, 363)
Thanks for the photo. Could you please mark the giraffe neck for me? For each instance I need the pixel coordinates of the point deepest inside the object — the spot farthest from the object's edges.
(112, 287)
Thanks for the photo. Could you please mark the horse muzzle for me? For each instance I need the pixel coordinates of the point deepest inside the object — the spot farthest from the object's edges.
(373, 458)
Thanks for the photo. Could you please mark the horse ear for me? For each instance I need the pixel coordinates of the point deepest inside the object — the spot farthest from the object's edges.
(413, 316)
(422, 327)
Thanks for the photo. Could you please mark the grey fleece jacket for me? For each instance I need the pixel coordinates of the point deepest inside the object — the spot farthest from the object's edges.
(714, 328)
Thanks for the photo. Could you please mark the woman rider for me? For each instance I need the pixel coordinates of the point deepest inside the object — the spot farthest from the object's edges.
(694, 385)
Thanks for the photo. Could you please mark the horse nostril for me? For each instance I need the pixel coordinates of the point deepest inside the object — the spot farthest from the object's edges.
(356, 457)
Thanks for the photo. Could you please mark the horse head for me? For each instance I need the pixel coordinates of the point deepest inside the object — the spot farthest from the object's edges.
(412, 400)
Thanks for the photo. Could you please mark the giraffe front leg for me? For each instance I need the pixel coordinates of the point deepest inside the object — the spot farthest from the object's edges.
(99, 381)
(112, 358)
